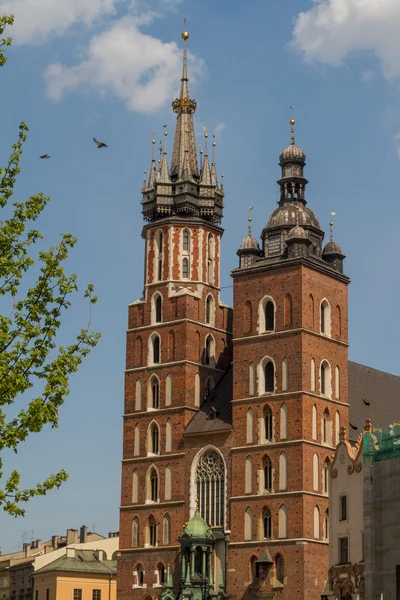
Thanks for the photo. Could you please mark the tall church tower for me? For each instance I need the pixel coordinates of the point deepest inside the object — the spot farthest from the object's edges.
(178, 347)
(290, 365)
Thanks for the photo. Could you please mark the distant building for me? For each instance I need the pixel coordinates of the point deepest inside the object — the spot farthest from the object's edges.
(77, 575)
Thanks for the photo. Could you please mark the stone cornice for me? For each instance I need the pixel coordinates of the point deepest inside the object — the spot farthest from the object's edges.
(178, 322)
(154, 457)
(288, 332)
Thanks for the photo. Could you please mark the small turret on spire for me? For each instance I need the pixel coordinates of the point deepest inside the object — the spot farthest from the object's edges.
(164, 171)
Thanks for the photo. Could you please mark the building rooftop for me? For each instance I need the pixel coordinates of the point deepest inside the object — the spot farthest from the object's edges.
(83, 561)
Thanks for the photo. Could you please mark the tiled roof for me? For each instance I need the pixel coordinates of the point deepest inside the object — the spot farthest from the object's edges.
(366, 385)
(84, 561)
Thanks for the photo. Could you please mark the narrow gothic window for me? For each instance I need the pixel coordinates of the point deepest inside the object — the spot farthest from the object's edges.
(283, 471)
(185, 268)
(209, 356)
(185, 244)
(209, 385)
(315, 473)
(312, 375)
(156, 350)
(337, 427)
(269, 375)
(153, 531)
(283, 521)
(161, 574)
(166, 530)
(168, 436)
(323, 387)
(168, 483)
(325, 477)
(269, 316)
(314, 423)
(250, 426)
(154, 485)
(316, 523)
(168, 390)
(252, 379)
(154, 439)
(267, 524)
(209, 310)
(139, 351)
(210, 483)
(326, 525)
(325, 318)
(155, 393)
(138, 395)
(248, 524)
(159, 254)
(135, 486)
(343, 508)
(326, 428)
(135, 533)
(210, 259)
(158, 309)
(268, 424)
(284, 422)
(285, 374)
(140, 575)
(137, 440)
(280, 573)
(267, 475)
(248, 483)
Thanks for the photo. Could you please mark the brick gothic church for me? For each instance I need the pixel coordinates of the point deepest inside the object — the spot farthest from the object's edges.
(236, 410)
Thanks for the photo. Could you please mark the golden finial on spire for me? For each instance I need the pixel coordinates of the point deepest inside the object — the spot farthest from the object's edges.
(185, 35)
(152, 148)
(331, 227)
(197, 504)
(292, 124)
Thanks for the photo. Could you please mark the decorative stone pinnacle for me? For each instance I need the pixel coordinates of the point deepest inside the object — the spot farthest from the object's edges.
(342, 434)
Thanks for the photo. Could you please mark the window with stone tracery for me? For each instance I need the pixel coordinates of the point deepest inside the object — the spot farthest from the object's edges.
(210, 484)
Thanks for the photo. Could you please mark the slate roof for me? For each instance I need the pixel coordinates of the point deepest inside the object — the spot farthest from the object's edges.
(380, 389)
(84, 561)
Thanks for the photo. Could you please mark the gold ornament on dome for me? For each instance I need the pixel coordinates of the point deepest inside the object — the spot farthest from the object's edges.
(186, 103)
(185, 35)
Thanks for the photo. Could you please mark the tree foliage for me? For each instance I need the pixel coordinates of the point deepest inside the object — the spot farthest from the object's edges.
(34, 368)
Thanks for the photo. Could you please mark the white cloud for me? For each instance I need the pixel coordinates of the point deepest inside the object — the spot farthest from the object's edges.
(333, 29)
(36, 20)
(138, 68)
(219, 128)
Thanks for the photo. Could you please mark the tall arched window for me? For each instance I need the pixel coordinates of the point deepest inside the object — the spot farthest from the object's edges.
(168, 436)
(210, 259)
(285, 374)
(139, 351)
(197, 390)
(267, 474)
(160, 574)
(267, 524)
(325, 324)
(313, 375)
(154, 392)
(314, 423)
(266, 316)
(197, 347)
(168, 390)
(325, 477)
(269, 376)
(337, 427)
(156, 349)
(288, 309)
(185, 254)
(168, 483)
(337, 383)
(326, 387)
(135, 486)
(210, 350)
(210, 484)
(316, 523)
(252, 379)
(326, 427)
(171, 345)
(157, 308)
(159, 255)
(185, 240)
(339, 322)
(153, 485)
(280, 569)
(138, 394)
(210, 310)
(140, 575)
(268, 424)
(284, 422)
(247, 317)
(152, 531)
(167, 530)
(283, 526)
(250, 426)
(248, 524)
(283, 470)
(326, 525)
(248, 485)
(315, 473)
(135, 533)
(185, 268)
(153, 440)
(137, 440)
(311, 309)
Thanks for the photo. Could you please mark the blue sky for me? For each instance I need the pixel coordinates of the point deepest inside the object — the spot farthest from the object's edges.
(110, 68)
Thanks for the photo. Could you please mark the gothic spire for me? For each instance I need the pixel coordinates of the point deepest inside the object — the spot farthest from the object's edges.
(184, 141)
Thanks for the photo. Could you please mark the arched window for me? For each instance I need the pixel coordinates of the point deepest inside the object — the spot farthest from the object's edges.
(267, 524)
(157, 308)
(325, 318)
(140, 576)
(168, 436)
(210, 259)
(210, 486)
(339, 322)
(326, 525)
(159, 255)
(185, 254)
(284, 422)
(160, 574)
(154, 392)
(247, 317)
(248, 484)
(197, 346)
(269, 316)
(156, 349)
(288, 310)
(313, 375)
(283, 483)
(283, 527)
(315, 473)
(168, 482)
(325, 477)
(197, 390)
(316, 523)
(135, 533)
(171, 345)
(326, 428)
(167, 530)
(139, 351)
(285, 374)
(138, 394)
(210, 310)
(337, 383)
(268, 424)
(137, 440)
(252, 379)
(168, 390)
(326, 388)
(337, 427)
(153, 439)
(185, 268)
(250, 426)
(248, 524)
(185, 240)
(267, 474)
(311, 309)
(280, 569)
(135, 487)
(153, 485)
(253, 568)
(269, 377)
(152, 531)
(210, 350)
(314, 423)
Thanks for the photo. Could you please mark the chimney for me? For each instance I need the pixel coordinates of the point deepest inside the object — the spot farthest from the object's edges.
(98, 554)
(70, 552)
(83, 534)
(54, 541)
(113, 534)
(72, 536)
(27, 549)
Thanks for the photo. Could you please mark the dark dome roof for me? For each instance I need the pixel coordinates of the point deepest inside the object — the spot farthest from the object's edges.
(249, 243)
(292, 152)
(332, 248)
(297, 232)
(288, 212)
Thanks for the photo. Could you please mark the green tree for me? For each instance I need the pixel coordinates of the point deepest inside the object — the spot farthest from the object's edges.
(34, 293)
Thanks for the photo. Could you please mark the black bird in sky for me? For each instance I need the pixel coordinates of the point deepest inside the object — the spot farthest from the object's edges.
(99, 144)
(366, 402)
(353, 427)
(44, 156)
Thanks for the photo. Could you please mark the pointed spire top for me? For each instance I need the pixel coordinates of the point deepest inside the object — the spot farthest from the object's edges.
(249, 220)
(292, 124)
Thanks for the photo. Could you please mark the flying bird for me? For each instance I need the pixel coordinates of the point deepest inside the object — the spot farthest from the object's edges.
(291, 106)
(333, 214)
(100, 144)
(366, 402)
(44, 156)
(353, 427)
(164, 126)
